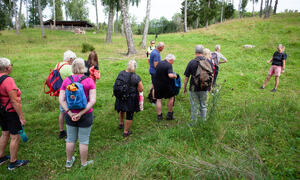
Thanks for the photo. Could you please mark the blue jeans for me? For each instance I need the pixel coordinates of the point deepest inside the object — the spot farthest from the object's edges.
(198, 100)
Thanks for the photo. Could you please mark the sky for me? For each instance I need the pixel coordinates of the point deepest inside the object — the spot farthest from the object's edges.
(168, 8)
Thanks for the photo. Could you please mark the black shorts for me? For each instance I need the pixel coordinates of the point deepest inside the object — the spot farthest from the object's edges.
(152, 78)
(129, 115)
(11, 122)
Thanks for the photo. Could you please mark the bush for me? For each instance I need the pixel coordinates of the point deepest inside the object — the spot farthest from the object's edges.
(87, 47)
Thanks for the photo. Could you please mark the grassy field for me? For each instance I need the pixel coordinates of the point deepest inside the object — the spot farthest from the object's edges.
(250, 133)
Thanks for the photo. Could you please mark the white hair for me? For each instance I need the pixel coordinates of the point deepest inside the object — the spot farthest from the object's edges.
(160, 44)
(206, 53)
(199, 49)
(78, 66)
(4, 63)
(218, 47)
(131, 66)
(280, 46)
(69, 55)
(170, 57)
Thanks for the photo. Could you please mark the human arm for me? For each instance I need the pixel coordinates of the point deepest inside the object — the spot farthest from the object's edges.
(270, 61)
(140, 87)
(222, 58)
(16, 104)
(186, 80)
(172, 75)
(63, 103)
(90, 104)
(283, 66)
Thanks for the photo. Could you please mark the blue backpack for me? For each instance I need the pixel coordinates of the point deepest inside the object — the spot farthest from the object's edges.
(176, 85)
(76, 99)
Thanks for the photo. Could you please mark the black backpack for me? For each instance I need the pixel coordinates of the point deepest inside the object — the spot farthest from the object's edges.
(3, 108)
(121, 87)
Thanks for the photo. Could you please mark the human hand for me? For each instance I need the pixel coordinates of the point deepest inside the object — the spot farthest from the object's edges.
(282, 70)
(76, 117)
(23, 121)
(184, 90)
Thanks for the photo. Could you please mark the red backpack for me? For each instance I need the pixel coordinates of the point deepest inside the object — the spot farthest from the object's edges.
(54, 81)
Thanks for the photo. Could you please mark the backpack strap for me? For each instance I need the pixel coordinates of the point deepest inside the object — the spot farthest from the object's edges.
(71, 78)
(2, 78)
(82, 78)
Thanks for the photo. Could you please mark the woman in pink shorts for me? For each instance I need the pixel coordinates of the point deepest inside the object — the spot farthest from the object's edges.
(278, 66)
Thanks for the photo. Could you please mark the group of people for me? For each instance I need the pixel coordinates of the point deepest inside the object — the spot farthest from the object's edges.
(201, 72)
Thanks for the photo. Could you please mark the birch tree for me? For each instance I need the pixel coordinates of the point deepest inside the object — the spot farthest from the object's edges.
(275, 7)
(143, 44)
(185, 16)
(41, 18)
(261, 8)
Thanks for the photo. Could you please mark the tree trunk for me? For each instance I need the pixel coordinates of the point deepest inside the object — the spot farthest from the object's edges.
(253, 1)
(266, 8)
(117, 22)
(18, 26)
(122, 29)
(54, 17)
(197, 23)
(239, 9)
(270, 7)
(143, 44)
(97, 23)
(41, 18)
(110, 24)
(185, 16)
(127, 28)
(15, 12)
(275, 7)
(222, 10)
(261, 8)
(206, 15)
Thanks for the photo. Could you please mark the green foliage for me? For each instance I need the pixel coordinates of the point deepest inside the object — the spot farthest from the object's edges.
(58, 9)
(34, 12)
(76, 10)
(5, 20)
(87, 47)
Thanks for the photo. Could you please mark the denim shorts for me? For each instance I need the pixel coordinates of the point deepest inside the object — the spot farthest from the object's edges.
(80, 133)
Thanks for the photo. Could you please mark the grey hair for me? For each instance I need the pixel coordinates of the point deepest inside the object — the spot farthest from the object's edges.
(131, 66)
(160, 44)
(218, 47)
(170, 57)
(199, 49)
(206, 53)
(78, 66)
(69, 55)
(4, 63)
(280, 46)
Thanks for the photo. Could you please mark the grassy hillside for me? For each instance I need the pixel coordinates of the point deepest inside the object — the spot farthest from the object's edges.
(250, 133)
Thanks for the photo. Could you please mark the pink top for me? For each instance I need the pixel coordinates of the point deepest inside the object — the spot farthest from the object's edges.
(87, 83)
(8, 85)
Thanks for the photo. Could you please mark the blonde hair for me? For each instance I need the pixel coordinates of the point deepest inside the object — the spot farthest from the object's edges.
(206, 53)
(78, 66)
(131, 66)
(4, 63)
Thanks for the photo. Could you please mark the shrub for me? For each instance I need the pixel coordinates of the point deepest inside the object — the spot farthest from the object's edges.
(87, 47)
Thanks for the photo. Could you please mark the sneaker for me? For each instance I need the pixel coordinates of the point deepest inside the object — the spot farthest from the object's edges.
(159, 118)
(121, 126)
(4, 159)
(273, 90)
(62, 134)
(262, 87)
(170, 116)
(69, 164)
(127, 134)
(87, 163)
(16, 164)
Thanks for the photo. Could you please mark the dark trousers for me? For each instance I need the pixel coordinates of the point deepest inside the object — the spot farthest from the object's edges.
(216, 75)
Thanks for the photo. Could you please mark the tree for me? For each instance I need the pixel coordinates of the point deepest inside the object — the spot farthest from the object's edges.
(54, 13)
(127, 28)
(275, 7)
(266, 8)
(95, 3)
(261, 8)
(41, 18)
(270, 8)
(5, 17)
(33, 11)
(111, 5)
(243, 7)
(185, 16)
(146, 28)
(222, 11)
(253, 2)
(229, 11)
(76, 10)
(18, 19)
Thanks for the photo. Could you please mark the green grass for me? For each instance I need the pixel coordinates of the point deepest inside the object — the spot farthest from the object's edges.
(250, 133)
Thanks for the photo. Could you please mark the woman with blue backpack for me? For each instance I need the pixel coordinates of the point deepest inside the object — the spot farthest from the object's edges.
(77, 97)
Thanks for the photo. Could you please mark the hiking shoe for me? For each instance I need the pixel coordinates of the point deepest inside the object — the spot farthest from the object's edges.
(69, 164)
(170, 116)
(261, 87)
(62, 134)
(16, 164)
(159, 118)
(87, 163)
(273, 90)
(121, 126)
(127, 134)
(4, 159)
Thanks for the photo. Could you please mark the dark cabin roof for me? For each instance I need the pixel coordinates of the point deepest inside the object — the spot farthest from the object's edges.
(69, 23)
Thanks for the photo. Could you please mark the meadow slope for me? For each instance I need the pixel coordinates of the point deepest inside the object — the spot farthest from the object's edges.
(250, 133)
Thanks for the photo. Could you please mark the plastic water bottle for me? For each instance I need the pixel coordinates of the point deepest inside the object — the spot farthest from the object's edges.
(141, 101)
(23, 134)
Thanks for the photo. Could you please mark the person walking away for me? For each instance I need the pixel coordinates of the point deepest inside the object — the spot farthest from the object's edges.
(217, 58)
(92, 66)
(127, 88)
(278, 67)
(150, 49)
(11, 118)
(200, 70)
(78, 120)
(162, 85)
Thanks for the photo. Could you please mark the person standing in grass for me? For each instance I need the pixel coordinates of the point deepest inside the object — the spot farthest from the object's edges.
(199, 87)
(278, 67)
(218, 58)
(150, 49)
(162, 85)
(78, 122)
(65, 71)
(11, 118)
(127, 106)
(92, 66)
(155, 58)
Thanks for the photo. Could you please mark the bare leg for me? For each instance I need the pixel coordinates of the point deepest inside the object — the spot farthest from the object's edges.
(14, 146)
(276, 82)
(84, 149)
(122, 116)
(70, 150)
(170, 104)
(158, 106)
(61, 121)
(127, 125)
(3, 142)
(267, 80)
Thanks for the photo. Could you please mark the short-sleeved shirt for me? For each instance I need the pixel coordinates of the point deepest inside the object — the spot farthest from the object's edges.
(154, 57)
(219, 57)
(191, 71)
(150, 49)
(278, 58)
(162, 78)
(65, 70)
(87, 83)
(8, 85)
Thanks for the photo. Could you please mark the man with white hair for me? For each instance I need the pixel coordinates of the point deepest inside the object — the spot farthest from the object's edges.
(162, 85)
(65, 70)
(199, 85)
(216, 57)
